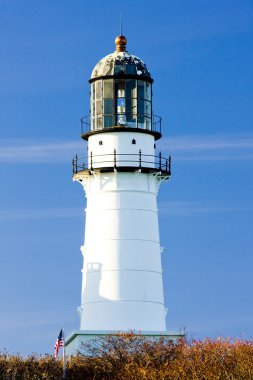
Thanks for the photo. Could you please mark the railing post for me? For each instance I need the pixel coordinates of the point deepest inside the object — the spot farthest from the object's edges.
(160, 161)
(169, 165)
(73, 166)
(91, 163)
(140, 158)
(166, 166)
(76, 163)
(115, 158)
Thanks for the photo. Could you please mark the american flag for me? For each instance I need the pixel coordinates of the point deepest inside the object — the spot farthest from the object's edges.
(59, 343)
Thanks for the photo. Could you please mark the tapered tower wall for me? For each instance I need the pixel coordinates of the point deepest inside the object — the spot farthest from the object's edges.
(122, 274)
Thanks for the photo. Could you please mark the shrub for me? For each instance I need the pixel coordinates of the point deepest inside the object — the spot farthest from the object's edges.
(129, 356)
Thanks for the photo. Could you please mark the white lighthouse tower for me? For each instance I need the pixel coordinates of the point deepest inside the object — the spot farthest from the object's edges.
(122, 284)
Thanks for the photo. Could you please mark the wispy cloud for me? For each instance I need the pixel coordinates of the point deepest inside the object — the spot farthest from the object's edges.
(199, 209)
(23, 319)
(53, 213)
(174, 208)
(186, 148)
(209, 147)
(27, 151)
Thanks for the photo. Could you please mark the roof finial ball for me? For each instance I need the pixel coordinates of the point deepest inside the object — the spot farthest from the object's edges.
(120, 43)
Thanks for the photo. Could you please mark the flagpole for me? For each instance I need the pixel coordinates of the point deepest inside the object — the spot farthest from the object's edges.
(63, 355)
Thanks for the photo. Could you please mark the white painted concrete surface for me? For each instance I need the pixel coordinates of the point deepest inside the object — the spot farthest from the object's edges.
(122, 286)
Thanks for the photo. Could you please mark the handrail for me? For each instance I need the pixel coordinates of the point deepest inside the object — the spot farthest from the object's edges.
(115, 160)
(103, 121)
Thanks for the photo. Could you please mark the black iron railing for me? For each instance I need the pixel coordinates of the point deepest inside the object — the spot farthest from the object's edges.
(128, 120)
(127, 161)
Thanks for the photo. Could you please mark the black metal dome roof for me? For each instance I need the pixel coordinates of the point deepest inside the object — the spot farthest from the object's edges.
(120, 63)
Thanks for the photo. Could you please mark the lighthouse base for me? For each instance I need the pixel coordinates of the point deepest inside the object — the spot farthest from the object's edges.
(75, 342)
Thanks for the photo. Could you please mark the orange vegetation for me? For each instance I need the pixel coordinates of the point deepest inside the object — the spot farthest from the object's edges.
(133, 357)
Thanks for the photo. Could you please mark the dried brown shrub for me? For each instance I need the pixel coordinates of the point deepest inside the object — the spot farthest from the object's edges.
(133, 357)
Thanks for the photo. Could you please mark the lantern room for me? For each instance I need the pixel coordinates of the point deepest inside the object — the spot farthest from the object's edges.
(121, 95)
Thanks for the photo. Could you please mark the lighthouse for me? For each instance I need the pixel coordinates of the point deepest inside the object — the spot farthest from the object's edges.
(122, 282)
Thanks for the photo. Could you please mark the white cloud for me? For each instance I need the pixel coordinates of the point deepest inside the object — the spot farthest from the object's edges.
(208, 147)
(22, 319)
(186, 148)
(174, 208)
(185, 208)
(25, 151)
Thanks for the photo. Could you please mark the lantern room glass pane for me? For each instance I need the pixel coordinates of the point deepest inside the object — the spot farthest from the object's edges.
(92, 106)
(131, 104)
(99, 122)
(148, 123)
(140, 89)
(108, 121)
(108, 113)
(140, 103)
(121, 93)
(108, 106)
(121, 110)
(140, 106)
(131, 88)
(147, 108)
(98, 89)
(92, 92)
(98, 107)
(121, 103)
(147, 91)
(108, 88)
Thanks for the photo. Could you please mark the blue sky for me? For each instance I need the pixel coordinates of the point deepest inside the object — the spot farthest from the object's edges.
(200, 54)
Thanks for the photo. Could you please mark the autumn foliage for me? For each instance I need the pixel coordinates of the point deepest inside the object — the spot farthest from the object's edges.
(133, 357)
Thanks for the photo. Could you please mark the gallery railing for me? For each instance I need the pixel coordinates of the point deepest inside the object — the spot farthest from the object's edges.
(127, 161)
(124, 120)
